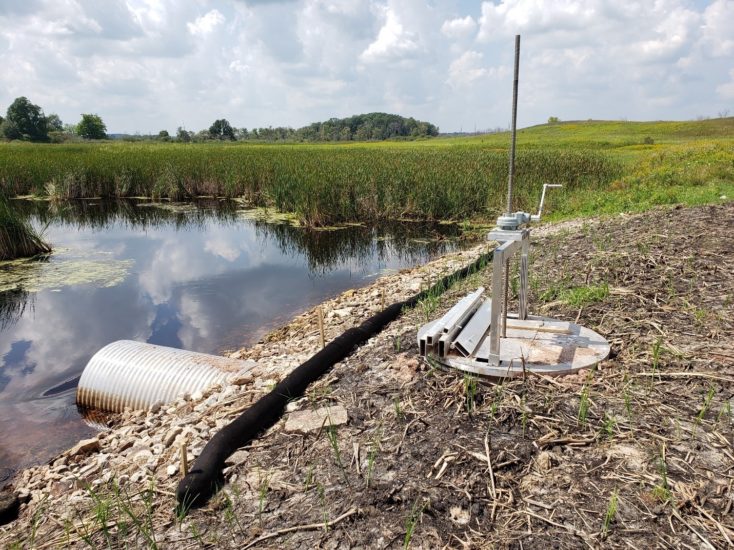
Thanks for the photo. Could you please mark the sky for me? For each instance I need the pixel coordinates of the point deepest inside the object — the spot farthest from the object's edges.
(148, 65)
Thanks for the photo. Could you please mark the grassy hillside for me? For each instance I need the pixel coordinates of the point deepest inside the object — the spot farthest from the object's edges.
(604, 166)
(606, 134)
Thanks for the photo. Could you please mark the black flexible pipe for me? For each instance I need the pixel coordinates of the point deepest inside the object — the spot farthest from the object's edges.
(205, 476)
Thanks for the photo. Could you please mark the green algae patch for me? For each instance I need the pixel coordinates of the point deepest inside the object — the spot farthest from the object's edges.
(35, 275)
(270, 215)
(174, 207)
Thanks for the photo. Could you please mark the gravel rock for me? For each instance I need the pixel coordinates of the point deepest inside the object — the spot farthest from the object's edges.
(85, 446)
(309, 421)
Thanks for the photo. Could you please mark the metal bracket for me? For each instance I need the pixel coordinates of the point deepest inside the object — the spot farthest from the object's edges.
(510, 242)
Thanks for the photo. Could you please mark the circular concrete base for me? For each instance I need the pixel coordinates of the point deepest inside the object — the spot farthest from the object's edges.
(539, 345)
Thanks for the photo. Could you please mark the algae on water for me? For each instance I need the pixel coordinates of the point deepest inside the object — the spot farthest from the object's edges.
(269, 215)
(63, 269)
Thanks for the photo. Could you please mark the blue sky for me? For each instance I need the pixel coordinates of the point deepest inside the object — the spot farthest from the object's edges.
(147, 65)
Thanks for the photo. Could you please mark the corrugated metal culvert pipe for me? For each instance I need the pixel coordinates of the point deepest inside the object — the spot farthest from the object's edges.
(139, 375)
(205, 476)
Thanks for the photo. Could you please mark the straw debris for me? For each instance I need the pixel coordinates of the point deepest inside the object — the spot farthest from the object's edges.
(651, 465)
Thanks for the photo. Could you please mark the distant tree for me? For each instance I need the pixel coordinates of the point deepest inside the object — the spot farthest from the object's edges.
(25, 121)
(242, 133)
(182, 135)
(553, 119)
(163, 135)
(91, 127)
(56, 129)
(222, 129)
(201, 135)
(54, 124)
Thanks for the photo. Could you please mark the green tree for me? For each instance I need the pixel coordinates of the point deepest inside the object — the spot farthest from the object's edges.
(54, 124)
(182, 135)
(91, 127)
(163, 135)
(26, 121)
(222, 129)
(553, 119)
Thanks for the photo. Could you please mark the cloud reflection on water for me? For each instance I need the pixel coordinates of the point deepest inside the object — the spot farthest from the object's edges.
(203, 279)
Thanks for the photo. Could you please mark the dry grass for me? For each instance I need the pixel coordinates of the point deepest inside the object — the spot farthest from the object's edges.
(650, 465)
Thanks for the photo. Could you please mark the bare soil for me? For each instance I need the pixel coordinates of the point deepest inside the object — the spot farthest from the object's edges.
(637, 453)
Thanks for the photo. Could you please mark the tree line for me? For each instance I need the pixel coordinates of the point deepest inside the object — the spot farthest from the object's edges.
(366, 127)
(27, 122)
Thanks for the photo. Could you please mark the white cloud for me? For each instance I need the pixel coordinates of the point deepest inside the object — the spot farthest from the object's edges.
(718, 28)
(146, 65)
(393, 42)
(726, 90)
(206, 23)
(460, 27)
(466, 69)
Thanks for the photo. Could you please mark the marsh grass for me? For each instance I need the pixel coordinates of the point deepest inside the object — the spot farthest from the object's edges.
(605, 167)
(321, 184)
(18, 239)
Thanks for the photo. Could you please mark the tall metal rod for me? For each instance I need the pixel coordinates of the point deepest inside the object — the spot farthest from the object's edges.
(504, 302)
(511, 179)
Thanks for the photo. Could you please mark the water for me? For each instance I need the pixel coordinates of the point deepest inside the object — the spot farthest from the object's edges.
(204, 277)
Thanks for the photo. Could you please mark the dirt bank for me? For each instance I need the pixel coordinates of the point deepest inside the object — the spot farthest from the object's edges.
(637, 453)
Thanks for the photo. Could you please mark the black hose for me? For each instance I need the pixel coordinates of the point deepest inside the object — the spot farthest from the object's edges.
(205, 476)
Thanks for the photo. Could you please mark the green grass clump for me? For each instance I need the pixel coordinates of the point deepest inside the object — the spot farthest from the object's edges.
(575, 296)
(584, 295)
(18, 239)
(610, 514)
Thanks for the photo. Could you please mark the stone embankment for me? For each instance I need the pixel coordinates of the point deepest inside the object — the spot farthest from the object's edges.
(145, 448)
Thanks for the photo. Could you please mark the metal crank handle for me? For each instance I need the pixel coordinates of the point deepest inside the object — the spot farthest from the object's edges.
(536, 218)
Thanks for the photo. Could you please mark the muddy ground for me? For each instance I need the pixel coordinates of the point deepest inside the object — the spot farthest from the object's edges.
(637, 453)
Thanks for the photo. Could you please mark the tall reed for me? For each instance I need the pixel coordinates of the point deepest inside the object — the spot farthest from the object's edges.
(18, 238)
(322, 184)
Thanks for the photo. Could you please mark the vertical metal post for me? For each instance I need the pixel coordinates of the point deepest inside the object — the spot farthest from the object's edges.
(511, 178)
(523, 288)
(506, 293)
(498, 264)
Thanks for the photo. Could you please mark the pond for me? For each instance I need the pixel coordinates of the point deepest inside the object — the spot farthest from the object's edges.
(207, 276)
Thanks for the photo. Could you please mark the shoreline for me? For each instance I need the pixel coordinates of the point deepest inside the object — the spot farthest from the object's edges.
(277, 353)
(411, 448)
